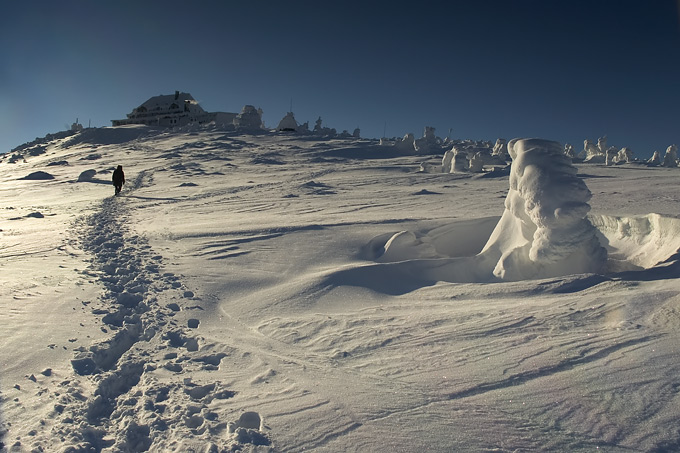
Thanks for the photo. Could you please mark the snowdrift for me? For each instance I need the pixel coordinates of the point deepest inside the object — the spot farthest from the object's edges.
(633, 244)
(544, 231)
(111, 135)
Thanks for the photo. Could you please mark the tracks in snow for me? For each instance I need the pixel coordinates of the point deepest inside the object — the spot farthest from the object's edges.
(133, 392)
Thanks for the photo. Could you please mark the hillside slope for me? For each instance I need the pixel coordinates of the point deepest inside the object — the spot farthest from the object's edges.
(268, 293)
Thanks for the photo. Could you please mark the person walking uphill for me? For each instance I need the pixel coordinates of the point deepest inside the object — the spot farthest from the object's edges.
(118, 178)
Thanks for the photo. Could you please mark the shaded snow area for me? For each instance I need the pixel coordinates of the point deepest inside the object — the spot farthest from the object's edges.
(274, 292)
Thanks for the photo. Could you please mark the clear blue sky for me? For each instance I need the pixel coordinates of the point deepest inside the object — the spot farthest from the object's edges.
(558, 69)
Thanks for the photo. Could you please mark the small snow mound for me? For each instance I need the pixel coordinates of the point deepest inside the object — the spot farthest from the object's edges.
(314, 184)
(92, 156)
(426, 192)
(38, 176)
(58, 163)
(404, 245)
(87, 175)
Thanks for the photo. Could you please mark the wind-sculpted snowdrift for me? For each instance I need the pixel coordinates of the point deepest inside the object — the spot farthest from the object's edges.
(545, 231)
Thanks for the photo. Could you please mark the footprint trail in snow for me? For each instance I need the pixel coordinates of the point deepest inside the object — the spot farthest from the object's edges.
(136, 383)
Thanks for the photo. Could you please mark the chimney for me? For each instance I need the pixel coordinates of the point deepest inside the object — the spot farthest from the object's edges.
(176, 95)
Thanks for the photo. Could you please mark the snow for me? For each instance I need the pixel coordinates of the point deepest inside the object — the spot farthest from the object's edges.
(500, 149)
(592, 152)
(288, 123)
(670, 159)
(278, 292)
(655, 159)
(544, 226)
(250, 119)
(38, 175)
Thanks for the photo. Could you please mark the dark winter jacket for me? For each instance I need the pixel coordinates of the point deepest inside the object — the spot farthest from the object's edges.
(118, 176)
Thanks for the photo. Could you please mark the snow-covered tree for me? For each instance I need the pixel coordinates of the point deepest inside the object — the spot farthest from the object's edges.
(670, 159)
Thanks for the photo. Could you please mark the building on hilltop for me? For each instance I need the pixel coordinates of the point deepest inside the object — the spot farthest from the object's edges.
(76, 127)
(170, 110)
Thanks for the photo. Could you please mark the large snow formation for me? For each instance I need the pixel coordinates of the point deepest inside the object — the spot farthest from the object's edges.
(624, 156)
(500, 149)
(592, 152)
(670, 159)
(472, 157)
(455, 160)
(250, 118)
(544, 231)
(288, 123)
(428, 143)
(406, 145)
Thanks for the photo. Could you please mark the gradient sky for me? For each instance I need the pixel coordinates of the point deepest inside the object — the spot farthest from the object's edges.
(564, 70)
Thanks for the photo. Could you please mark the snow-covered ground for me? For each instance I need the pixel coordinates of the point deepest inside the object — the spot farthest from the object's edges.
(280, 293)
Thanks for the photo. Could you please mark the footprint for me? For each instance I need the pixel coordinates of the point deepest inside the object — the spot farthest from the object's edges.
(191, 344)
(194, 421)
(249, 420)
(200, 392)
(247, 429)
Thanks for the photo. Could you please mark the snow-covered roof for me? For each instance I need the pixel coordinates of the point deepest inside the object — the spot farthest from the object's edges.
(165, 102)
(167, 110)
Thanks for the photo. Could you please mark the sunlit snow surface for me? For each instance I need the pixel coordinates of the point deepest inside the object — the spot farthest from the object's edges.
(282, 293)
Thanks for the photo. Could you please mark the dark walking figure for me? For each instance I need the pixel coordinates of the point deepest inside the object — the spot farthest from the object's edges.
(118, 178)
